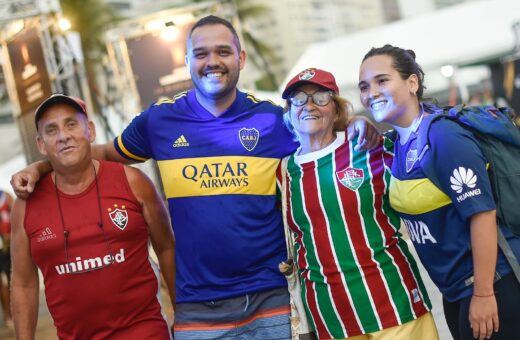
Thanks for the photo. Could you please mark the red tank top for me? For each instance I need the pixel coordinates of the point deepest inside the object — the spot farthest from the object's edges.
(114, 301)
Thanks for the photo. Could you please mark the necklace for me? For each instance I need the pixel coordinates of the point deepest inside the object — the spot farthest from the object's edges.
(70, 269)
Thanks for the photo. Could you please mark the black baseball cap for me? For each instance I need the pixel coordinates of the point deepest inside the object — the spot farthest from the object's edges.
(77, 103)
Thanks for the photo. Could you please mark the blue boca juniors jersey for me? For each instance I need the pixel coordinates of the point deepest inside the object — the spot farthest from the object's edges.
(219, 175)
(438, 219)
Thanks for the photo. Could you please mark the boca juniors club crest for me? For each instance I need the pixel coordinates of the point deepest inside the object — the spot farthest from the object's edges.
(118, 216)
(351, 178)
(249, 138)
(411, 158)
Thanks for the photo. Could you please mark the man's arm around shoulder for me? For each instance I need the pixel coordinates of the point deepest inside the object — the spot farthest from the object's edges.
(159, 226)
(108, 152)
(366, 132)
(24, 280)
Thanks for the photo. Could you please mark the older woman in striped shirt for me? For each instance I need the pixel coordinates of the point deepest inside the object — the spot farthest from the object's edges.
(358, 278)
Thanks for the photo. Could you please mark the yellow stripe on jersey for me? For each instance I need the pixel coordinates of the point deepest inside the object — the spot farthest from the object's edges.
(208, 176)
(170, 100)
(416, 196)
(128, 153)
(255, 100)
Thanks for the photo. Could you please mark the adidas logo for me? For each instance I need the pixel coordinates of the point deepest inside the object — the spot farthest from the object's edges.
(181, 141)
(45, 235)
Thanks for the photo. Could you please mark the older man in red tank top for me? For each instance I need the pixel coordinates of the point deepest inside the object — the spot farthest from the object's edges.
(87, 227)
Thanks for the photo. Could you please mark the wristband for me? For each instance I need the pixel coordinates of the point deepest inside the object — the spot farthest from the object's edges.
(484, 296)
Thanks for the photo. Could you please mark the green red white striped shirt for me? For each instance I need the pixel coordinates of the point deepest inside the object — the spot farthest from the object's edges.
(357, 274)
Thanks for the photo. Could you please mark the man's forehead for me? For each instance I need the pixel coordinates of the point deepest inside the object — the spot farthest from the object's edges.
(211, 36)
(61, 112)
(61, 108)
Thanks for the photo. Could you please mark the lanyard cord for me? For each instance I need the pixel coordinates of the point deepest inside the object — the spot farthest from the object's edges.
(100, 221)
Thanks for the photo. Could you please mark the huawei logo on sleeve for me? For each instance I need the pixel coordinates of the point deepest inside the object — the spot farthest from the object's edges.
(462, 179)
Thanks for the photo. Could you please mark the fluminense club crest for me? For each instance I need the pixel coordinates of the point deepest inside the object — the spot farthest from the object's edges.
(119, 216)
(249, 138)
(307, 74)
(351, 178)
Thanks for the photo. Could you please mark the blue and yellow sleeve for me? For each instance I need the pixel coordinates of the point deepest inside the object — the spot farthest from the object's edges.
(133, 143)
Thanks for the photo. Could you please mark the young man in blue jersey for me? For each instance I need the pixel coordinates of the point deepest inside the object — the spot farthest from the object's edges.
(217, 149)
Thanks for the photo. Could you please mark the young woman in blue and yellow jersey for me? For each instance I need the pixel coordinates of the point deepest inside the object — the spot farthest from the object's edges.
(453, 227)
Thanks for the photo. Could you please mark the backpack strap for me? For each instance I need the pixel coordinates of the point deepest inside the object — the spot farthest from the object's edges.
(508, 253)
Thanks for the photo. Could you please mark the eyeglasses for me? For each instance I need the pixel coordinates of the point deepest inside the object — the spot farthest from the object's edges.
(320, 98)
(85, 265)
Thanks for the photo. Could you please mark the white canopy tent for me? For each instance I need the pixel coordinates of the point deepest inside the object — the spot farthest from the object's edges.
(458, 35)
